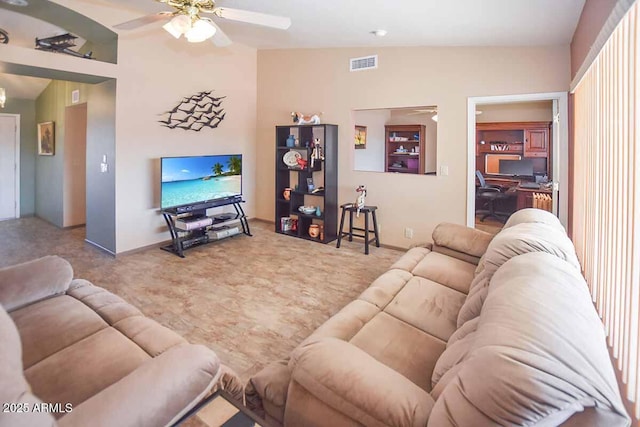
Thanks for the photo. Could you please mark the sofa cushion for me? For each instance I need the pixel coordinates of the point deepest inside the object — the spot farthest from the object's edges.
(428, 306)
(410, 259)
(386, 287)
(402, 347)
(538, 355)
(110, 307)
(85, 368)
(448, 271)
(14, 389)
(49, 326)
(347, 322)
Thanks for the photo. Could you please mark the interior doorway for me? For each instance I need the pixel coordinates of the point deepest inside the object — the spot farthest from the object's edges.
(9, 166)
(556, 158)
(75, 166)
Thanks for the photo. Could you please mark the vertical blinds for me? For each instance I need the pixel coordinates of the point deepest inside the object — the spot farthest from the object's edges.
(606, 227)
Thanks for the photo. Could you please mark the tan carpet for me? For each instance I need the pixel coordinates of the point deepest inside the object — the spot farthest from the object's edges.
(250, 299)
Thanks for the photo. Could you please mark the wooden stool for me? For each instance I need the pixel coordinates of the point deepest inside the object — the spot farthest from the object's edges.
(366, 210)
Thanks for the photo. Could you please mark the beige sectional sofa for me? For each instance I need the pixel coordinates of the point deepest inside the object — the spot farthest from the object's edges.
(471, 331)
(93, 359)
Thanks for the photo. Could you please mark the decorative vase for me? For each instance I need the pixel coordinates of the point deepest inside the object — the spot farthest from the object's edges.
(287, 193)
(291, 141)
(322, 232)
(318, 211)
(314, 230)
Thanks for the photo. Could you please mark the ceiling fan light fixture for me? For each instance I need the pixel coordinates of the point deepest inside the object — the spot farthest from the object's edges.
(200, 31)
(21, 3)
(178, 26)
(169, 28)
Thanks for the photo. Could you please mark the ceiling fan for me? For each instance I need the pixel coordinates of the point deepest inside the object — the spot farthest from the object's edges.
(185, 20)
(429, 110)
(433, 110)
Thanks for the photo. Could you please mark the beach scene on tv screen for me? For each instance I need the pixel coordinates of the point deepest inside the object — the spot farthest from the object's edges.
(193, 179)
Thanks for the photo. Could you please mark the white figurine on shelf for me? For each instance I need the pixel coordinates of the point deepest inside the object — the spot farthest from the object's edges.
(361, 199)
(301, 119)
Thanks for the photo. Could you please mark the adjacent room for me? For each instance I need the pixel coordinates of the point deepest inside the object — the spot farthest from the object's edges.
(239, 213)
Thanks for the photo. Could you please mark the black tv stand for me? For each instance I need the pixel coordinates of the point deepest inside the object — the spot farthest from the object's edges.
(205, 229)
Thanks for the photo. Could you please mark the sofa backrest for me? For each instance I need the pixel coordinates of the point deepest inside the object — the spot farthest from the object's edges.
(535, 356)
(32, 281)
(532, 215)
(15, 391)
(510, 242)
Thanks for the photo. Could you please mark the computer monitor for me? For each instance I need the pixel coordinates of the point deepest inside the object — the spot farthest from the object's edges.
(522, 167)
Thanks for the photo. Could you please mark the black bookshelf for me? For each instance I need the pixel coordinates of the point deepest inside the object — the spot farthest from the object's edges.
(323, 173)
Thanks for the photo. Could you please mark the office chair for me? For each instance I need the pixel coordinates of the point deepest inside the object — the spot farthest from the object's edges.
(489, 194)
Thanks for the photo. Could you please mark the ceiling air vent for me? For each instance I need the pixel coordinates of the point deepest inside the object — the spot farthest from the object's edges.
(364, 63)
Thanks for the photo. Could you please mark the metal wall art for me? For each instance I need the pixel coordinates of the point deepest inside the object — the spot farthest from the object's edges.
(195, 112)
(61, 44)
(4, 36)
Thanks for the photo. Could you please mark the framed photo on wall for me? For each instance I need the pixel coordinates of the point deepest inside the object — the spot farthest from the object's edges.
(46, 139)
(361, 137)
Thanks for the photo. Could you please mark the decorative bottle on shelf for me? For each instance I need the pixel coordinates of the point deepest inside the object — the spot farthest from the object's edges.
(291, 141)
(318, 211)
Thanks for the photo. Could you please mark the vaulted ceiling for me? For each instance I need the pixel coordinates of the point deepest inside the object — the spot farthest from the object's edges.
(343, 23)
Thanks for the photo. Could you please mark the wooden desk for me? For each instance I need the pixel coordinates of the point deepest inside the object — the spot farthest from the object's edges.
(525, 198)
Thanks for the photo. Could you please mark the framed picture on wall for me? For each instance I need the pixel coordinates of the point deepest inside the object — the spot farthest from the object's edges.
(361, 137)
(46, 139)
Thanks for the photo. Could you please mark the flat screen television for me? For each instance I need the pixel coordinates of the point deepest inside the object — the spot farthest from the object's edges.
(522, 167)
(199, 180)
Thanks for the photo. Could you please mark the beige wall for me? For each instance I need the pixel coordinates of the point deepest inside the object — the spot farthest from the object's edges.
(312, 80)
(538, 111)
(594, 14)
(155, 72)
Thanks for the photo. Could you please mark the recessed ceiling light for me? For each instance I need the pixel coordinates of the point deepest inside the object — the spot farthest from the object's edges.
(379, 33)
(16, 2)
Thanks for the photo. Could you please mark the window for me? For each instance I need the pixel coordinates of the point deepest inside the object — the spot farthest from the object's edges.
(606, 221)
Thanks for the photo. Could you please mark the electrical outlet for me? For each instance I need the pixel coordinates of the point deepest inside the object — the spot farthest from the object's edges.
(408, 233)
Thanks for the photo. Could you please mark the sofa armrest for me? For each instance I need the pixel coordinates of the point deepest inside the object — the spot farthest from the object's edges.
(266, 392)
(158, 393)
(458, 238)
(352, 382)
(32, 281)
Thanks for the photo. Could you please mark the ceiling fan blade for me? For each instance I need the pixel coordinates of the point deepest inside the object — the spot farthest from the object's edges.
(220, 39)
(273, 21)
(139, 22)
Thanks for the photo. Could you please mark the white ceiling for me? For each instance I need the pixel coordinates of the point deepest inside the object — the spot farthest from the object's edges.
(345, 23)
(348, 23)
